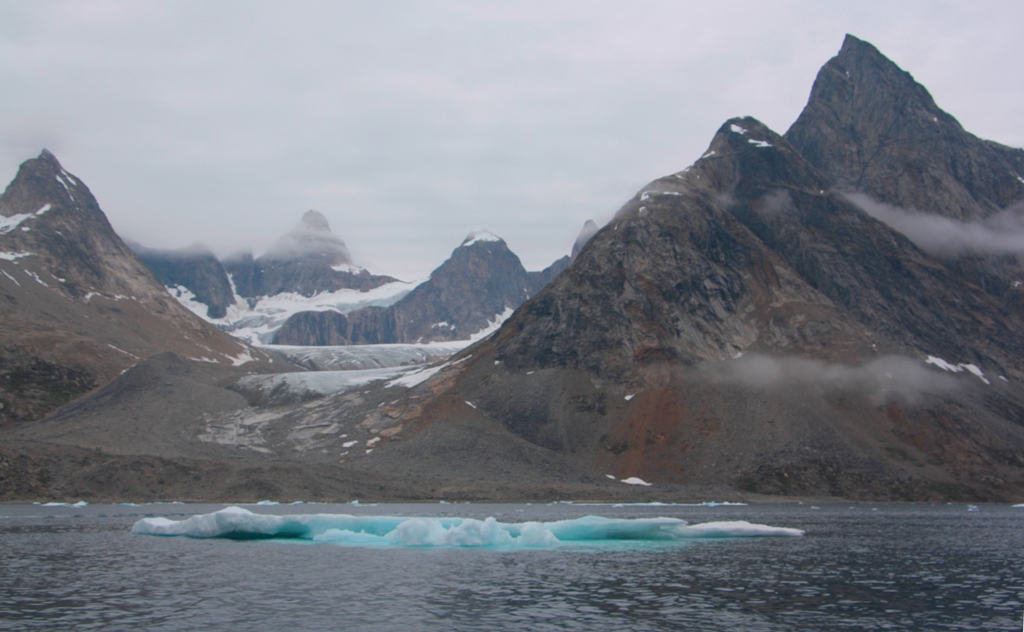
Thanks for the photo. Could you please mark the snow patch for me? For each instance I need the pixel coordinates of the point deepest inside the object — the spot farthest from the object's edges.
(36, 277)
(708, 155)
(11, 278)
(736, 128)
(633, 480)
(7, 224)
(759, 143)
(242, 358)
(479, 235)
(957, 368)
(13, 256)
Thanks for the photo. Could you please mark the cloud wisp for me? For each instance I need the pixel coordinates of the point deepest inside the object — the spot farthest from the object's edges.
(884, 379)
(1001, 234)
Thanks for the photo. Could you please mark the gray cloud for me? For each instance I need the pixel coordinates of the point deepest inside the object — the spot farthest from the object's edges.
(1000, 234)
(883, 379)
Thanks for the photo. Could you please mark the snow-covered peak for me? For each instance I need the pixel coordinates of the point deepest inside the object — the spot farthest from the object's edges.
(479, 235)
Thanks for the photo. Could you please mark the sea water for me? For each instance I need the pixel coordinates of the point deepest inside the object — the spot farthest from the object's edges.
(856, 567)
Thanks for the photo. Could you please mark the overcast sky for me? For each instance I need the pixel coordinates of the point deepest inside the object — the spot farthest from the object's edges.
(409, 124)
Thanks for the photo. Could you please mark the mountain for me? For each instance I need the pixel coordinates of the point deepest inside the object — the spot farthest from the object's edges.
(77, 307)
(757, 323)
(745, 323)
(309, 268)
(477, 287)
(869, 127)
(194, 275)
(876, 132)
(307, 260)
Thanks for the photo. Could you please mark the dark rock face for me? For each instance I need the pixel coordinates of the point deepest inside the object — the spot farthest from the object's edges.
(194, 268)
(542, 277)
(874, 131)
(742, 323)
(77, 307)
(481, 280)
(869, 127)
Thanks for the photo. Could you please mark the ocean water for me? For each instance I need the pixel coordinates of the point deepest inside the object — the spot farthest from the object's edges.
(858, 567)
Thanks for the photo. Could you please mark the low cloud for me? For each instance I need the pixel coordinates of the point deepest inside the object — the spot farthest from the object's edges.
(884, 379)
(1001, 234)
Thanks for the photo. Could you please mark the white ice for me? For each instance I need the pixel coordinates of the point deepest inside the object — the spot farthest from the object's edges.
(238, 523)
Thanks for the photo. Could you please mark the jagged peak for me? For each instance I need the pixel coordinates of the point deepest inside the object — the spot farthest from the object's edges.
(480, 236)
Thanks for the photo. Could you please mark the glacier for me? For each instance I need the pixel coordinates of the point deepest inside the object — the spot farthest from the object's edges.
(237, 523)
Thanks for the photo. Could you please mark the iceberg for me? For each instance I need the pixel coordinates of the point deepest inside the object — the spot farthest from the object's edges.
(395, 531)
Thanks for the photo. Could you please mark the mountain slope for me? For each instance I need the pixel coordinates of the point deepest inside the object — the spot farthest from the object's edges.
(194, 271)
(77, 307)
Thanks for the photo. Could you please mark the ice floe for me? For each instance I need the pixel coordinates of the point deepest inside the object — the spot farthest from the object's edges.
(391, 531)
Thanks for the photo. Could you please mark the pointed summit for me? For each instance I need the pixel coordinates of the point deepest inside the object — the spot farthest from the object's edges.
(311, 238)
(873, 129)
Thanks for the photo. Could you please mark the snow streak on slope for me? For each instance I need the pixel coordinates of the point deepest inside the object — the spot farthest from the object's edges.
(391, 531)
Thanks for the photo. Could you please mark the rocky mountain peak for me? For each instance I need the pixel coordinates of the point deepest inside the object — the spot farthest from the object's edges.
(42, 180)
(871, 128)
(311, 238)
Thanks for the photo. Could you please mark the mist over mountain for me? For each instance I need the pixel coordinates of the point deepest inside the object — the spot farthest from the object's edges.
(824, 313)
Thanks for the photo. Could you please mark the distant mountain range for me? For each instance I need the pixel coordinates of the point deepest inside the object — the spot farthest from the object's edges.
(306, 291)
(832, 312)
